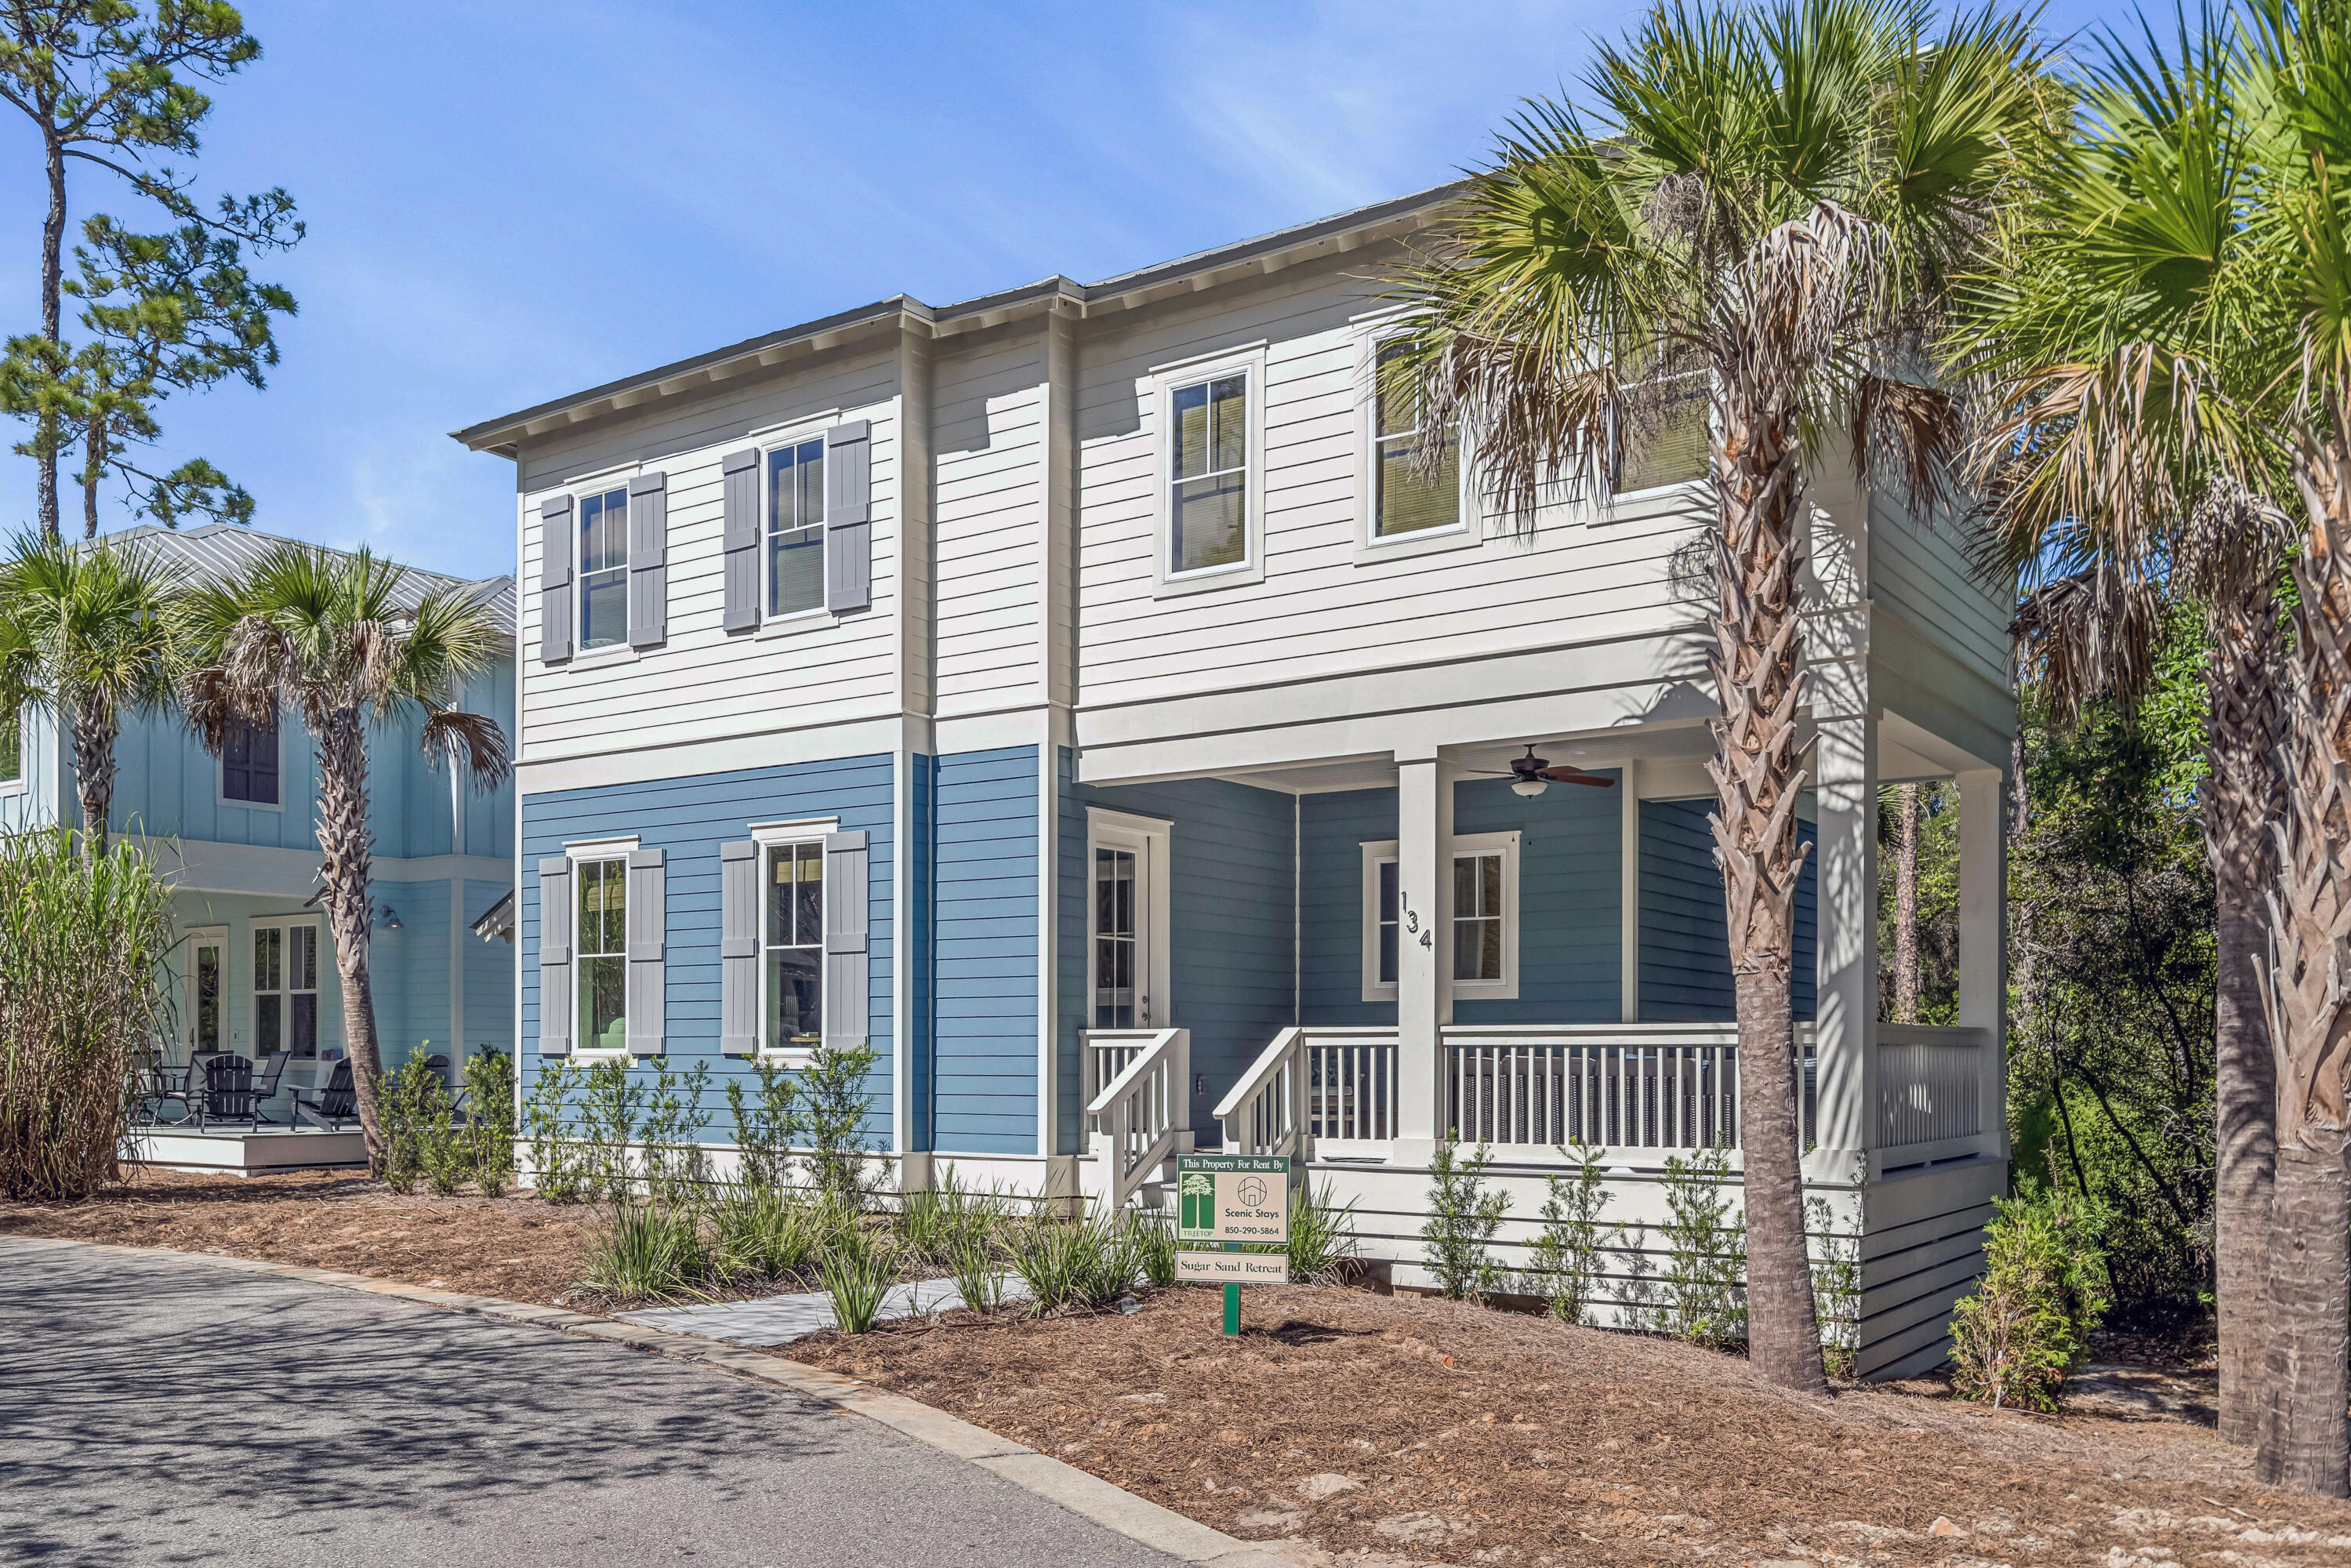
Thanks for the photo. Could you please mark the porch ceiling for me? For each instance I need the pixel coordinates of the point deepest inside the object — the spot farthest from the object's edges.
(1685, 744)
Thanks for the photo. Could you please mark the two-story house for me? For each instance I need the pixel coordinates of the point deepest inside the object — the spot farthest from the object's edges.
(237, 837)
(1079, 694)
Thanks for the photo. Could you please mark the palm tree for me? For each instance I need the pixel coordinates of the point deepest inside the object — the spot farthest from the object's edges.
(1765, 204)
(2123, 337)
(94, 635)
(329, 635)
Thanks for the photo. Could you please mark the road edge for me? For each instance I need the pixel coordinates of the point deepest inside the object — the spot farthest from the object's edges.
(1064, 1485)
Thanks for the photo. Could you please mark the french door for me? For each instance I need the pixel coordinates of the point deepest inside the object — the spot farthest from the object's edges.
(205, 991)
(1125, 951)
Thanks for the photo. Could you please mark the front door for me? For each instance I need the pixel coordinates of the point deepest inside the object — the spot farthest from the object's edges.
(202, 1023)
(1121, 960)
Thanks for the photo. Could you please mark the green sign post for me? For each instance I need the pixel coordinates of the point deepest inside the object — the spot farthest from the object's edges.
(1229, 1200)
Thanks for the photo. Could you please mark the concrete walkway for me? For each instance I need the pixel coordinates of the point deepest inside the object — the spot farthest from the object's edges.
(162, 1410)
(780, 1319)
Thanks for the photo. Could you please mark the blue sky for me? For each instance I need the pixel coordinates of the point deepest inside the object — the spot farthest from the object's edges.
(508, 202)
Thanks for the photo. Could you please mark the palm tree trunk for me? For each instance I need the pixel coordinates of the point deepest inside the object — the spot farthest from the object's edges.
(1754, 664)
(93, 756)
(2242, 729)
(343, 836)
(1906, 904)
(2303, 1441)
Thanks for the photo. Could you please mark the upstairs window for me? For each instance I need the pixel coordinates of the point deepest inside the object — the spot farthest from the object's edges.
(1405, 499)
(1669, 444)
(795, 544)
(250, 763)
(603, 954)
(604, 569)
(1208, 476)
(794, 965)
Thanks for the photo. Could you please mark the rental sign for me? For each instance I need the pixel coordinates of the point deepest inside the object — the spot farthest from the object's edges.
(1226, 1200)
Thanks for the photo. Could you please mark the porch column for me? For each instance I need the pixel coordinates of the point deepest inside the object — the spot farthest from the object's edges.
(1982, 942)
(1845, 768)
(1423, 992)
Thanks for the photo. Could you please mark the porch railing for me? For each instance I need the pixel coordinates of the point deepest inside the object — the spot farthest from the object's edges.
(1630, 1086)
(1137, 1118)
(1929, 1084)
(1313, 1086)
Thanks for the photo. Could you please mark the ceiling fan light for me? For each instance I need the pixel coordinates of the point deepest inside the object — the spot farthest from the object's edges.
(1530, 788)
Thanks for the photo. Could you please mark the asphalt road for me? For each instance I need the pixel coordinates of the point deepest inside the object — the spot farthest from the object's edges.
(157, 1410)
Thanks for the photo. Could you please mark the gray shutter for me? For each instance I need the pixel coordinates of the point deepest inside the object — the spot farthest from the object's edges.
(846, 990)
(556, 548)
(848, 516)
(741, 539)
(648, 560)
(648, 936)
(555, 957)
(739, 948)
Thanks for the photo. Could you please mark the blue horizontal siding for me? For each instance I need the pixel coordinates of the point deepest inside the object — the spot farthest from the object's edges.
(489, 969)
(983, 816)
(1685, 936)
(1333, 830)
(689, 818)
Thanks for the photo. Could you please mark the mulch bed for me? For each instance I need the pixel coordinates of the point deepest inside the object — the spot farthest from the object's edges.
(518, 1248)
(1401, 1428)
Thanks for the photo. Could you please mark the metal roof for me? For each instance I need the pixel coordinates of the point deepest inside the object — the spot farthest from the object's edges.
(1265, 253)
(219, 551)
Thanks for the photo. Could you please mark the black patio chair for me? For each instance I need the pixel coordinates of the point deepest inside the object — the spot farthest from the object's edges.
(228, 1091)
(332, 1106)
(438, 1065)
(265, 1087)
(160, 1084)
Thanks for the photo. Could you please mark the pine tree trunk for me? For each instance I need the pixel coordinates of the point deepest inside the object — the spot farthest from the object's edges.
(49, 440)
(2242, 730)
(343, 836)
(1756, 645)
(2302, 1441)
(93, 756)
(1906, 904)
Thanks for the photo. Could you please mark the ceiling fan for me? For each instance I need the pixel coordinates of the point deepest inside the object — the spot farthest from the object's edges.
(1531, 775)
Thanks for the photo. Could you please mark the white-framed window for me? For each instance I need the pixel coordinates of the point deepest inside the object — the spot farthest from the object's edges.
(249, 770)
(12, 752)
(601, 949)
(791, 946)
(1406, 511)
(286, 986)
(604, 569)
(1473, 923)
(1673, 446)
(791, 552)
(1127, 921)
(1211, 472)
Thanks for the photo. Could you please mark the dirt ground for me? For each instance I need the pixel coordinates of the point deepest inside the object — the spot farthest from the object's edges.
(518, 1248)
(1399, 1428)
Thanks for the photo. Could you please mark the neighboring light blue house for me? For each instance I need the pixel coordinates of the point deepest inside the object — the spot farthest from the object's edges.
(1078, 694)
(237, 838)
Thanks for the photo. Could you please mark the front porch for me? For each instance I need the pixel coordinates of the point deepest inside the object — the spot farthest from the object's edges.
(1597, 1014)
(244, 1151)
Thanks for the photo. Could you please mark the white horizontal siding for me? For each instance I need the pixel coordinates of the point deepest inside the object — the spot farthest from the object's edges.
(990, 507)
(703, 684)
(1919, 570)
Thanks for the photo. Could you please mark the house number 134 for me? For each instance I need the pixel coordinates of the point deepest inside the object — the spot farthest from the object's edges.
(1412, 921)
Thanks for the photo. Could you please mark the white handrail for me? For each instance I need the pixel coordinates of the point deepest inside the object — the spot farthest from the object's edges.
(1140, 1117)
(1260, 1114)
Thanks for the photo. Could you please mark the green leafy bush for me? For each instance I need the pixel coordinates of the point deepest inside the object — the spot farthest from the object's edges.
(490, 1126)
(418, 1129)
(558, 1163)
(647, 1253)
(82, 942)
(768, 1232)
(1704, 1280)
(612, 1106)
(833, 1102)
(856, 1270)
(978, 1272)
(1836, 1287)
(1567, 1259)
(675, 1165)
(764, 1127)
(1154, 1246)
(2042, 1291)
(1081, 1265)
(1463, 1218)
(1322, 1237)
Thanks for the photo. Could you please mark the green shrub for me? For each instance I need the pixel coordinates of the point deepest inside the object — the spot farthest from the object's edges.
(418, 1129)
(490, 1127)
(82, 994)
(1836, 1287)
(1322, 1237)
(1567, 1259)
(1705, 1282)
(611, 1106)
(1154, 1247)
(1463, 1218)
(676, 1166)
(1081, 1265)
(834, 1104)
(647, 1254)
(856, 1271)
(768, 1232)
(764, 1130)
(2043, 1289)
(558, 1161)
(978, 1271)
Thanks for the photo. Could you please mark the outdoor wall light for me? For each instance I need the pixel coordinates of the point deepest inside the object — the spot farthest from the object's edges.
(390, 918)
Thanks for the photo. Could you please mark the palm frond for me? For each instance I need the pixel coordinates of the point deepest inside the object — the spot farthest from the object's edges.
(471, 741)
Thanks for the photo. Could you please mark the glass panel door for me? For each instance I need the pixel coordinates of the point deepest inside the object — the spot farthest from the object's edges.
(1121, 984)
(207, 964)
(302, 991)
(268, 990)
